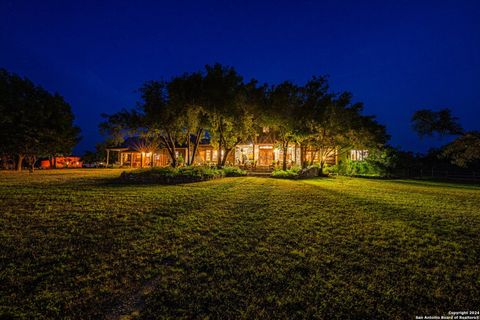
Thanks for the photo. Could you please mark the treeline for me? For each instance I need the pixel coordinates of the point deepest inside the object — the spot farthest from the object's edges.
(33, 123)
(217, 103)
(458, 159)
(463, 151)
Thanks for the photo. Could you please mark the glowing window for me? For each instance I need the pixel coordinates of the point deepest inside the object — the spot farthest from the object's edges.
(358, 155)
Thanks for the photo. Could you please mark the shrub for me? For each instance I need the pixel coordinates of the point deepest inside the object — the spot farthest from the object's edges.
(234, 172)
(156, 171)
(295, 169)
(169, 175)
(200, 172)
(291, 173)
(355, 168)
(333, 169)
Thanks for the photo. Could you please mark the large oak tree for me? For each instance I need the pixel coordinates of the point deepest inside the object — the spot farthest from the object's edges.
(33, 123)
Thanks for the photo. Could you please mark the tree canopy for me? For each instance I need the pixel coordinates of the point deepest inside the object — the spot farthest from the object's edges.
(217, 102)
(34, 122)
(427, 122)
(464, 151)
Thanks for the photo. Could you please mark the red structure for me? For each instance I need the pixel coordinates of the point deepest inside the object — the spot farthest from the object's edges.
(62, 162)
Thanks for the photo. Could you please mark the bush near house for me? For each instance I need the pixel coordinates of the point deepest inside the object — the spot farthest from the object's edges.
(385, 162)
(355, 168)
(297, 173)
(169, 175)
(234, 172)
(291, 173)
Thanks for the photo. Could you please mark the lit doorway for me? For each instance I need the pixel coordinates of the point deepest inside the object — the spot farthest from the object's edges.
(265, 156)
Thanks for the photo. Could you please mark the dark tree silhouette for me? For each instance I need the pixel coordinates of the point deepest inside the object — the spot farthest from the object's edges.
(34, 122)
(427, 123)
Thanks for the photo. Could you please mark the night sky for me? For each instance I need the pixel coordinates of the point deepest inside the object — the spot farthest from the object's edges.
(395, 56)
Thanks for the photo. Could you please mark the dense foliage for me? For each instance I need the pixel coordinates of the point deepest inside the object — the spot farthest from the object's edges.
(464, 151)
(171, 175)
(230, 171)
(291, 173)
(34, 123)
(220, 104)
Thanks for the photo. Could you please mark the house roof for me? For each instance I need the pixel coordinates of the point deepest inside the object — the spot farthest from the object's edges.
(136, 144)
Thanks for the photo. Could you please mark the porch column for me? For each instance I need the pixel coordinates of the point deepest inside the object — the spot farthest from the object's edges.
(108, 156)
(254, 154)
(131, 159)
(121, 158)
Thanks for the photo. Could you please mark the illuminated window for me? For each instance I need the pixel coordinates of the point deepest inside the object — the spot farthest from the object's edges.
(358, 155)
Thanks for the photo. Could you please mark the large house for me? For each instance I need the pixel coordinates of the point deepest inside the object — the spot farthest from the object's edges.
(262, 153)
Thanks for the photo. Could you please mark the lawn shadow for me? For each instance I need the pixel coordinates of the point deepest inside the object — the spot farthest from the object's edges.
(433, 221)
(438, 183)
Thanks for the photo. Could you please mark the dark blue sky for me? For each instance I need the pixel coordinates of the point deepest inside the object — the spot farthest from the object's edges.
(395, 56)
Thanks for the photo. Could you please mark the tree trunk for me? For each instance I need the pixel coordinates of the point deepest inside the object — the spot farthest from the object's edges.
(33, 159)
(195, 146)
(285, 149)
(225, 156)
(187, 161)
(173, 156)
(320, 171)
(303, 154)
(20, 158)
(55, 161)
(219, 153)
(50, 159)
(171, 150)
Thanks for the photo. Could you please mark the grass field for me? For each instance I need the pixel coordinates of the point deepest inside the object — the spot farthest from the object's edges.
(74, 244)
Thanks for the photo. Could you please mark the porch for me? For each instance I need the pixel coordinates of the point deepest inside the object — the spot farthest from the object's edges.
(265, 155)
(125, 157)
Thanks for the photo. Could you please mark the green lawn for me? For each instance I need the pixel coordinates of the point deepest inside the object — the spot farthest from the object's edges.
(74, 244)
